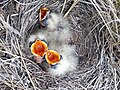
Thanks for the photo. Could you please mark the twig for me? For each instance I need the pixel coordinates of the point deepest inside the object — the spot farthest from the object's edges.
(73, 5)
(63, 6)
(26, 67)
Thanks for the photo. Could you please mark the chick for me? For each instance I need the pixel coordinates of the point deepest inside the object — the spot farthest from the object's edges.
(38, 49)
(34, 36)
(53, 39)
(67, 63)
(56, 34)
(57, 27)
(60, 59)
(43, 14)
(52, 57)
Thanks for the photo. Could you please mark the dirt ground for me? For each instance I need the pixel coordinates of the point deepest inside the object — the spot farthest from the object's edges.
(95, 25)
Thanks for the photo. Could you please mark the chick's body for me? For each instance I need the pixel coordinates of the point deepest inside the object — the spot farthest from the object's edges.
(57, 32)
(67, 63)
(57, 35)
(59, 27)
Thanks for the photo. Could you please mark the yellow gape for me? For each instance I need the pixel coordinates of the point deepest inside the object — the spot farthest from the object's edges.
(39, 48)
(43, 13)
(52, 57)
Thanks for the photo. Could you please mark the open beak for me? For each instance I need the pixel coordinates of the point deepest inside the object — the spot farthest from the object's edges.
(52, 57)
(39, 48)
(43, 13)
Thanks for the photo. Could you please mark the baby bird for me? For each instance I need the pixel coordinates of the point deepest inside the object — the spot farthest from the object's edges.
(56, 31)
(54, 62)
(67, 63)
(43, 14)
(52, 57)
(57, 27)
(55, 50)
(38, 49)
(41, 53)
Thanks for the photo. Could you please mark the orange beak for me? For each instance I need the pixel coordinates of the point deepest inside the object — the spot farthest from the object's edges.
(39, 48)
(52, 57)
(43, 13)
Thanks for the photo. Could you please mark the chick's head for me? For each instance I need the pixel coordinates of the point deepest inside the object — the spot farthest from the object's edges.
(43, 12)
(39, 48)
(52, 57)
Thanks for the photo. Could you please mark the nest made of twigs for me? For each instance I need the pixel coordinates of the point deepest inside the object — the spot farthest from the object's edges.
(96, 35)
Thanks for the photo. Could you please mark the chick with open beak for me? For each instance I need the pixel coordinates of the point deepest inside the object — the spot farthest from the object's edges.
(55, 28)
(43, 13)
(53, 58)
(38, 49)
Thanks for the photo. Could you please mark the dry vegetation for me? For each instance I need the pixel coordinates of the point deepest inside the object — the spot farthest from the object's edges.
(96, 28)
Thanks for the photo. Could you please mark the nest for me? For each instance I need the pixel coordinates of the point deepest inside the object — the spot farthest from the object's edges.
(96, 35)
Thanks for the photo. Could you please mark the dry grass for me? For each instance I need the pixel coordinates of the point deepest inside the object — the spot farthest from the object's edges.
(96, 28)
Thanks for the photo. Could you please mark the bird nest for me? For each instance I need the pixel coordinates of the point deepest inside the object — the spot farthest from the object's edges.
(95, 25)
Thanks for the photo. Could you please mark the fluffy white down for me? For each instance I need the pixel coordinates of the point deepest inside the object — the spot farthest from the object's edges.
(58, 35)
(59, 26)
(35, 36)
(53, 21)
(31, 38)
(68, 63)
(55, 39)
